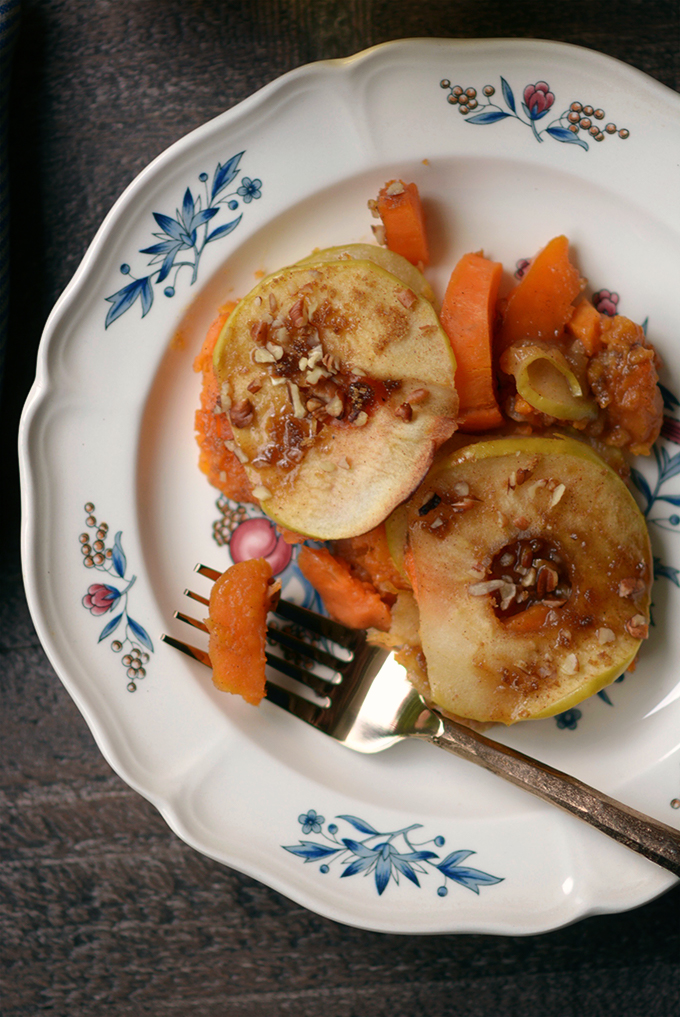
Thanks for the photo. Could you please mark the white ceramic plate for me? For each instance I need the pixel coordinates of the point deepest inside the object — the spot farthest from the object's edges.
(107, 437)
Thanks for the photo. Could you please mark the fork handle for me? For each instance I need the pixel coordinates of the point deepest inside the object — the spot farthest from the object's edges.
(649, 837)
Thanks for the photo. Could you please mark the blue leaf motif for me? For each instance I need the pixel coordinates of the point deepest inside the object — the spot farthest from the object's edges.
(455, 858)
(641, 484)
(358, 865)
(203, 216)
(419, 856)
(147, 295)
(508, 95)
(109, 628)
(383, 871)
(186, 231)
(122, 300)
(661, 457)
(669, 400)
(310, 851)
(666, 572)
(169, 260)
(222, 231)
(358, 824)
(357, 848)
(384, 859)
(488, 118)
(188, 209)
(225, 174)
(170, 226)
(162, 248)
(470, 878)
(567, 136)
(670, 465)
(474, 878)
(672, 499)
(403, 866)
(140, 633)
(118, 555)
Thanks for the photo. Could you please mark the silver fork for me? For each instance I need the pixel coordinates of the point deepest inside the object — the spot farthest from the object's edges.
(369, 705)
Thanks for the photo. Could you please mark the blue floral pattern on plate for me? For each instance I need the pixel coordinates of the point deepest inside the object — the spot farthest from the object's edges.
(576, 120)
(105, 598)
(387, 855)
(186, 235)
(667, 467)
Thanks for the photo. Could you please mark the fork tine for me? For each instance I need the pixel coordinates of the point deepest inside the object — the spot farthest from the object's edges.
(334, 631)
(317, 683)
(191, 651)
(337, 633)
(180, 616)
(312, 681)
(301, 708)
(205, 570)
(304, 649)
(352, 640)
(277, 636)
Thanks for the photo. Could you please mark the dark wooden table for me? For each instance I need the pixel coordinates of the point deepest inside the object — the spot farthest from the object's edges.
(102, 909)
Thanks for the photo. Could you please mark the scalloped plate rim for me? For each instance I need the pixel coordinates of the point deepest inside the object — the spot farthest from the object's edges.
(41, 390)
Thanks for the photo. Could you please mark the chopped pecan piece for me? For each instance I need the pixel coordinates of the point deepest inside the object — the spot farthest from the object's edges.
(546, 580)
(298, 313)
(241, 413)
(631, 586)
(637, 627)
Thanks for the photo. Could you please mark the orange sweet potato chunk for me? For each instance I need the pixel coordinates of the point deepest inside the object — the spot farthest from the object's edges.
(223, 469)
(369, 558)
(585, 325)
(401, 211)
(541, 303)
(467, 317)
(348, 599)
(237, 623)
(624, 379)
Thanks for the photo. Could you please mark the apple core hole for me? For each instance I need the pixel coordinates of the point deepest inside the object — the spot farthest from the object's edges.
(529, 570)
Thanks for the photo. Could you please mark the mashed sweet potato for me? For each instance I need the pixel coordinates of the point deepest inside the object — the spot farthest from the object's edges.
(213, 429)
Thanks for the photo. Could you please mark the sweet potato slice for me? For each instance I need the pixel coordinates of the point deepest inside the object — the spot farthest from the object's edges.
(237, 623)
(467, 317)
(369, 557)
(401, 212)
(541, 303)
(348, 599)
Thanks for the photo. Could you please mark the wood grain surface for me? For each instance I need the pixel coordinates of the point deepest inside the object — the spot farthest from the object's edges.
(102, 909)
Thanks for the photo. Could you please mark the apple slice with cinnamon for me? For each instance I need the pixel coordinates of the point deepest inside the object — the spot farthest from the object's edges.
(339, 384)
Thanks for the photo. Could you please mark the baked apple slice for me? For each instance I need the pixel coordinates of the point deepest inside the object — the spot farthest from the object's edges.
(531, 566)
(339, 384)
(381, 256)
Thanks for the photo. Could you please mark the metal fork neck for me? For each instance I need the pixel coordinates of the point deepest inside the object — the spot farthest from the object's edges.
(644, 834)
